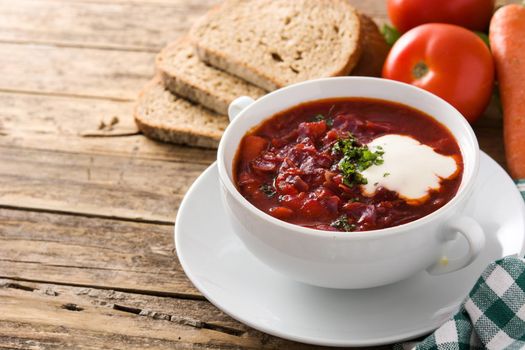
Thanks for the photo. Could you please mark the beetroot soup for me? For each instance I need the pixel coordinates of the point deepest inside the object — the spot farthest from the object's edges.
(348, 164)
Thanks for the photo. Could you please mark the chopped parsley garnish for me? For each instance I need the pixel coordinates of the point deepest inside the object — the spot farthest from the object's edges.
(386, 174)
(320, 117)
(356, 158)
(342, 224)
(268, 190)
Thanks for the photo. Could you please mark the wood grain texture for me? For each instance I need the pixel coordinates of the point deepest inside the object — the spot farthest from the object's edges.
(99, 253)
(105, 260)
(119, 24)
(376, 9)
(49, 316)
(138, 26)
(58, 317)
(115, 187)
(57, 123)
(187, 311)
(109, 74)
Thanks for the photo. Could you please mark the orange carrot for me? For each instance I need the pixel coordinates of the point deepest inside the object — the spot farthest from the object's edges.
(252, 146)
(507, 41)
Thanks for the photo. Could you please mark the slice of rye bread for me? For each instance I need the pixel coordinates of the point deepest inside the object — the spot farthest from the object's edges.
(374, 50)
(185, 75)
(273, 43)
(163, 116)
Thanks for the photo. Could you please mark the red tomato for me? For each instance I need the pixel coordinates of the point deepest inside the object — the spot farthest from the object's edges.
(471, 14)
(447, 60)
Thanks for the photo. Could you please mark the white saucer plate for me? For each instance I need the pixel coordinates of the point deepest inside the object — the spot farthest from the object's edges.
(221, 268)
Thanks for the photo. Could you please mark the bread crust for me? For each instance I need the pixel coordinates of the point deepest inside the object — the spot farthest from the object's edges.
(182, 132)
(374, 50)
(185, 75)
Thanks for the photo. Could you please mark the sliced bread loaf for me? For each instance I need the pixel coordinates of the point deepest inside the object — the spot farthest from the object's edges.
(273, 43)
(161, 115)
(374, 52)
(185, 75)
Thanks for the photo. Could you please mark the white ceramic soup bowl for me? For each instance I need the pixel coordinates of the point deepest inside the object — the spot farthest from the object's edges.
(351, 259)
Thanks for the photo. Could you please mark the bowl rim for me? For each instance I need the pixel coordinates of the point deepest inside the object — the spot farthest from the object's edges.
(463, 192)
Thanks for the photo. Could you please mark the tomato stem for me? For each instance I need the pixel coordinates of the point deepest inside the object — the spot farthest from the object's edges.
(420, 70)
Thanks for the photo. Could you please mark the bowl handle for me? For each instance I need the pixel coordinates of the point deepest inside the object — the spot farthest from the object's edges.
(237, 105)
(472, 231)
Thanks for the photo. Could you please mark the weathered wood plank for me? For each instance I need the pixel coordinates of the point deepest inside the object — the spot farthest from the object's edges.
(81, 251)
(99, 185)
(48, 316)
(57, 123)
(107, 74)
(43, 114)
(139, 25)
(108, 254)
(163, 3)
(372, 8)
(75, 323)
(136, 146)
(129, 26)
(185, 311)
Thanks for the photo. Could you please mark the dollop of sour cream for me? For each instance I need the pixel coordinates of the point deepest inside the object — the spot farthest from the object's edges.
(409, 168)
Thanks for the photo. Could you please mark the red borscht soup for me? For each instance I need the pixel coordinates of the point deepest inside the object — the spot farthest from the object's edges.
(348, 164)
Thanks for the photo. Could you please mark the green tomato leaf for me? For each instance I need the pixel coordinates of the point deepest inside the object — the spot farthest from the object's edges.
(390, 34)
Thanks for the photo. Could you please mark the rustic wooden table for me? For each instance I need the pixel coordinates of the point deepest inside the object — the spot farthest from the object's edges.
(87, 208)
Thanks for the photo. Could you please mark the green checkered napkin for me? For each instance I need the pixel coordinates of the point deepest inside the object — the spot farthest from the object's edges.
(492, 316)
